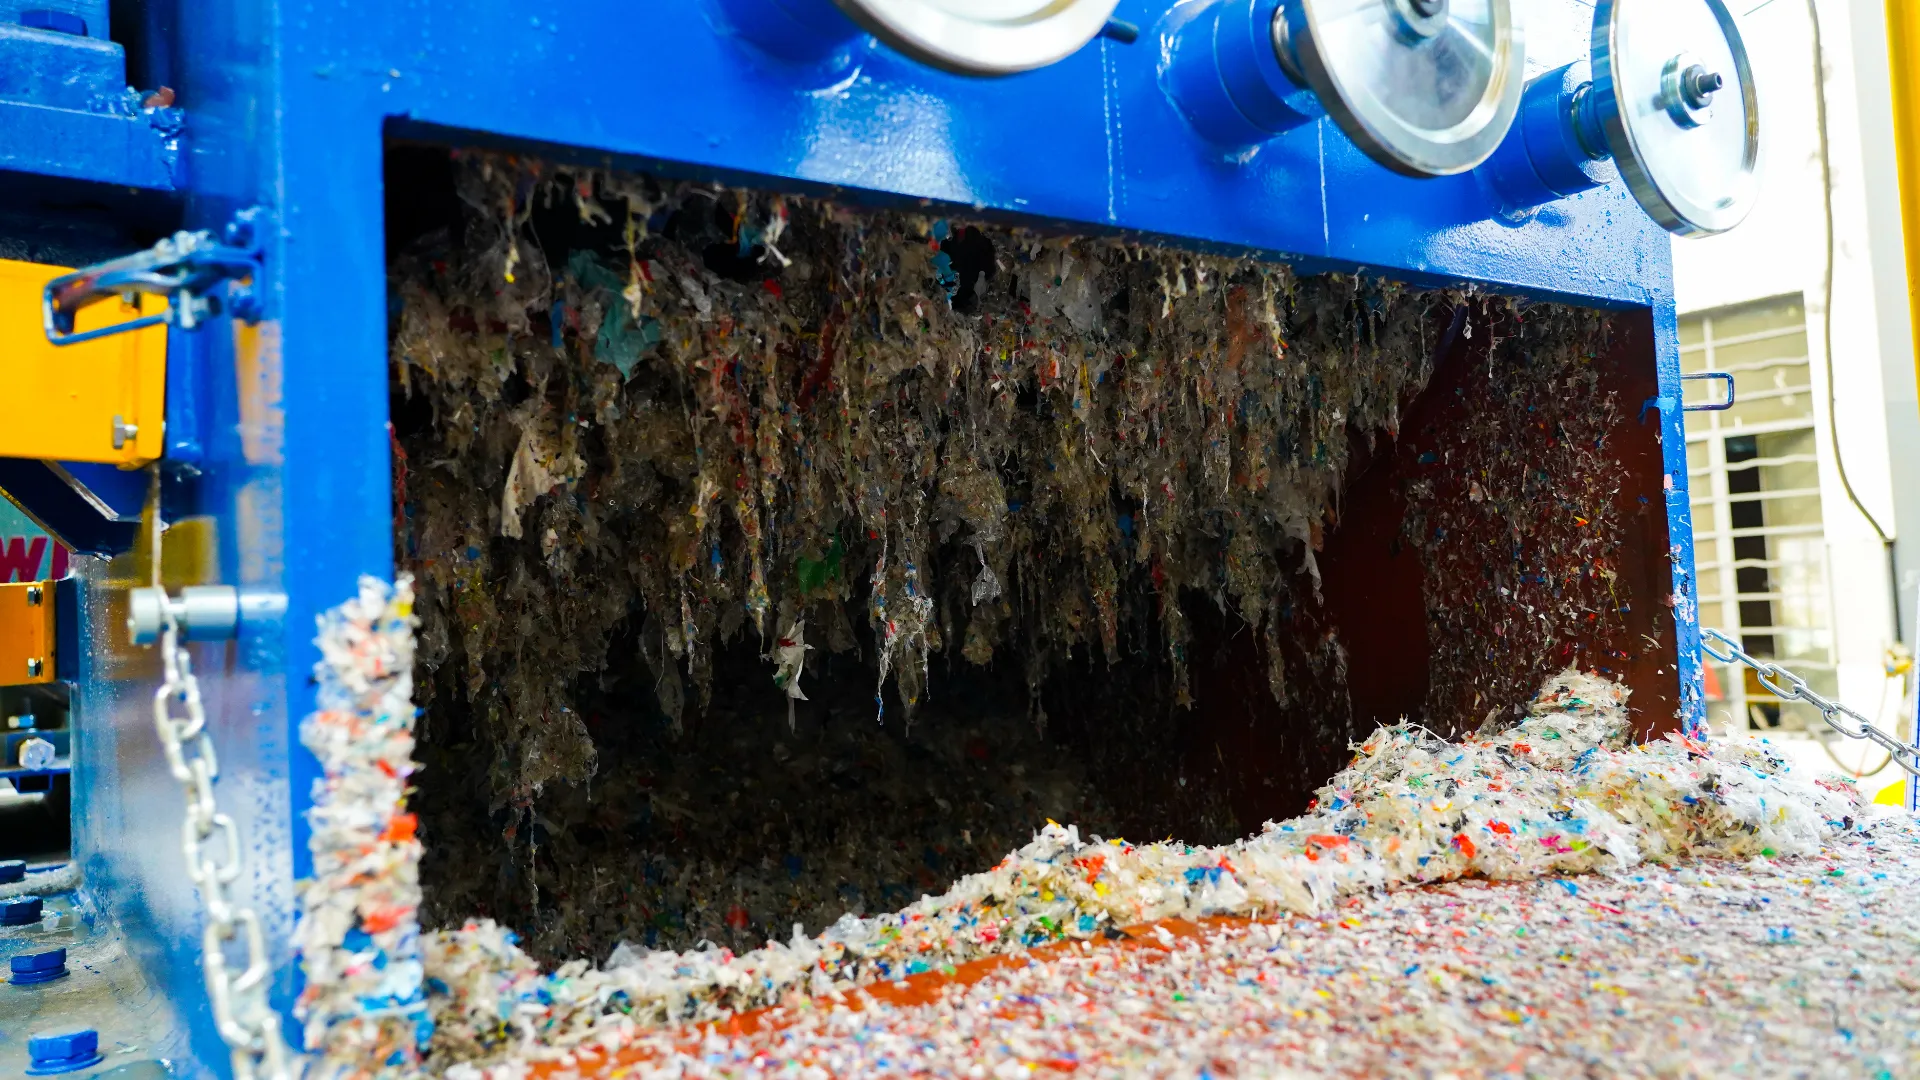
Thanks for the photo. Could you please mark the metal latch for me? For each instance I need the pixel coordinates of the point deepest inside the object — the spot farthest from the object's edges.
(185, 268)
(1711, 406)
(1666, 405)
(202, 612)
(26, 633)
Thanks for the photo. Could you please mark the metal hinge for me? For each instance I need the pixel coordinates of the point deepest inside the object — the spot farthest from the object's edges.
(26, 633)
(185, 268)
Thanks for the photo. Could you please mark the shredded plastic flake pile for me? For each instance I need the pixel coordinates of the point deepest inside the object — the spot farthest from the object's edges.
(1787, 967)
(1562, 792)
(359, 927)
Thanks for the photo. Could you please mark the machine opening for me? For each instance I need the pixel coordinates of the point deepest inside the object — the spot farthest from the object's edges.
(779, 558)
(36, 791)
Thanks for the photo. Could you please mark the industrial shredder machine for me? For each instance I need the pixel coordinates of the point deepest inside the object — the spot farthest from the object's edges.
(208, 275)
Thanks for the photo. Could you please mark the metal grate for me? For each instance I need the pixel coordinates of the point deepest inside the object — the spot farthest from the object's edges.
(1755, 479)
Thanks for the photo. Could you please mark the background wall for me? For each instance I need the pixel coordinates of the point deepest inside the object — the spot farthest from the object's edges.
(1782, 251)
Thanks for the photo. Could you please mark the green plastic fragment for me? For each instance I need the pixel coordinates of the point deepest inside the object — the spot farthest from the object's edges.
(815, 575)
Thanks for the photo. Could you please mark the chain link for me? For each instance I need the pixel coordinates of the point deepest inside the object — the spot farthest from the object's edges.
(1786, 685)
(211, 842)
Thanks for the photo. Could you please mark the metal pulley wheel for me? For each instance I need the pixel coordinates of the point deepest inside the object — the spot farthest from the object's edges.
(983, 37)
(1425, 87)
(1674, 92)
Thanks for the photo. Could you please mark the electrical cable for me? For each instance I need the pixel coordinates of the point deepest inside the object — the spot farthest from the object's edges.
(1826, 303)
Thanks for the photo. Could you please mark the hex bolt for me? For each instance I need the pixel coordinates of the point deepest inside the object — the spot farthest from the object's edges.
(33, 595)
(67, 1051)
(35, 665)
(19, 910)
(39, 967)
(12, 870)
(1699, 85)
(38, 754)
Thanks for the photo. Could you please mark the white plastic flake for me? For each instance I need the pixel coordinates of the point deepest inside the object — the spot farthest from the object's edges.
(358, 930)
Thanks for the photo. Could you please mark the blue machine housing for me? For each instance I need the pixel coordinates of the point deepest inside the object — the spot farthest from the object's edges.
(65, 108)
(279, 433)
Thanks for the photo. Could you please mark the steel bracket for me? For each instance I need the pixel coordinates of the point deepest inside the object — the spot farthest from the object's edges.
(186, 268)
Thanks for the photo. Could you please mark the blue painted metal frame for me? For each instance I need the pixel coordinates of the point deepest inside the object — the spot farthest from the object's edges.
(65, 108)
(285, 441)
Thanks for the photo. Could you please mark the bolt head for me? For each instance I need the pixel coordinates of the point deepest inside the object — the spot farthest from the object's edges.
(38, 962)
(63, 1046)
(1699, 85)
(19, 910)
(1686, 90)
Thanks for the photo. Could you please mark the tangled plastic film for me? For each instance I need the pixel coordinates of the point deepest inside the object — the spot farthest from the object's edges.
(1564, 791)
(696, 483)
(756, 410)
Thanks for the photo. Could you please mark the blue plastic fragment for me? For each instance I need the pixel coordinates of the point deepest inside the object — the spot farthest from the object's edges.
(12, 870)
(948, 277)
(64, 1052)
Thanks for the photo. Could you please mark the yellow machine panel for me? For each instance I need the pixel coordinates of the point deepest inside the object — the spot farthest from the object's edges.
(101, 401)
(26, 633)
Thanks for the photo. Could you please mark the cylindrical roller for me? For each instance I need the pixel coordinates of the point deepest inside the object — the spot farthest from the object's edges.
(983, 37)
(1675, 94)
(1557, 149)
(1425, 87)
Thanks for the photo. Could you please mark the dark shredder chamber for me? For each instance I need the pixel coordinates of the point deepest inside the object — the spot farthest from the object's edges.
(780, 557)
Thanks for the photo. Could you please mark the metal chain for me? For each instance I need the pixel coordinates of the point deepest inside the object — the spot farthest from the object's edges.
(1788, 686)
(211, 843)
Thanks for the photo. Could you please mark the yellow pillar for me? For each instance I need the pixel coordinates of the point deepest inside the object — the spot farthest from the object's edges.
(1903, 46)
